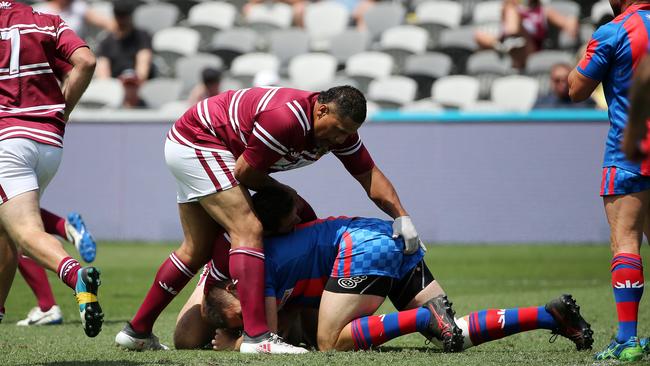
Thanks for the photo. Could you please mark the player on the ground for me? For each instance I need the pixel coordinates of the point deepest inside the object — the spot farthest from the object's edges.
(73, 229)
(349, 266)
(239, 137)
(612, 55)
(36, 52)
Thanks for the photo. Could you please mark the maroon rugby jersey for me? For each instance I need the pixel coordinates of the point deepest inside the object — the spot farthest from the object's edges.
(272, 128)
(34, 49)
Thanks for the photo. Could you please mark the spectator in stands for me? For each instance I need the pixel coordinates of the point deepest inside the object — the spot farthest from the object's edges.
(524, 29)
(126, 52)
(209, 87)
(559, 94)
(77, 14)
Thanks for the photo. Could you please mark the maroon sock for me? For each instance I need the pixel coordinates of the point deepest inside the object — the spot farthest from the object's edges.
(247, 268)
(36, 279)
(53, 224)
(67, 271)
(172, 276)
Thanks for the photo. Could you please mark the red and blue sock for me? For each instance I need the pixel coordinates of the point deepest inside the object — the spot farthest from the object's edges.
(627, 283)
(492, 324)
(378, 329)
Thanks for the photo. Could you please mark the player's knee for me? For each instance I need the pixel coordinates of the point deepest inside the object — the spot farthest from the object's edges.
(326, 342)
(247, 232)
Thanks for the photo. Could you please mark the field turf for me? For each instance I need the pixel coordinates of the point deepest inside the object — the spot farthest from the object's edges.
(475, 277)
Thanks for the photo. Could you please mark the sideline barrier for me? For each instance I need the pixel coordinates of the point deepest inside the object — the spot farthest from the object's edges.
(482, 179)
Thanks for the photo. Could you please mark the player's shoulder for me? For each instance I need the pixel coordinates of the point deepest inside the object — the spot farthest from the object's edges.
(609, 31)
(26, 15)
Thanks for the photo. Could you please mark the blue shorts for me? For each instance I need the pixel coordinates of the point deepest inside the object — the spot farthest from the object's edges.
(620, 181)
(367, 248)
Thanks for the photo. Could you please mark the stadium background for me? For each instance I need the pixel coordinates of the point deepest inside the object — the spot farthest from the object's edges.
(451, 125)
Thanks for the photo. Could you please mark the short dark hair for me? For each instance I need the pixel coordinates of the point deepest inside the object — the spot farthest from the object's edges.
(349, 102)
(210, 75)
(271, 206)
(123, 8)
(215, 303)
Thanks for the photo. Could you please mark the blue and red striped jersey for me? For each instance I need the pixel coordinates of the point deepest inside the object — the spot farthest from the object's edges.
(299, 264)
(612, 55)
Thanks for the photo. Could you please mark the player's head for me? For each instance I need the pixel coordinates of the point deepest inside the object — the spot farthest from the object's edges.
(338, 113)
(277, 210)
(221, 307)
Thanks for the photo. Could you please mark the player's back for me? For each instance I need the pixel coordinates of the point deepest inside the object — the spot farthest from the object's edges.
(33, 50)
(613, 53)
(298, 264)
(230, 117)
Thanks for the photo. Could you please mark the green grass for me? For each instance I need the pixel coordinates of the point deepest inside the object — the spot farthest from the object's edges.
(475, 277)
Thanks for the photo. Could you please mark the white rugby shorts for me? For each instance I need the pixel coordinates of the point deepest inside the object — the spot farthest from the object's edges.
(26, 165)
(199, 173)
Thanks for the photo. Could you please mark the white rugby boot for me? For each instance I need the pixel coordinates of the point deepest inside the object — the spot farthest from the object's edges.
(127, 338)
(268, 343)
(38, 317)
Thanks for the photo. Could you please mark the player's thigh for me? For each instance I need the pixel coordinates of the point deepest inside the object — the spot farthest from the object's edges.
(20, 217)
(232, 210)
(26, 167)
(337, 309)
(415, 288)
(199, 234)
(626, 216)
(192, 331)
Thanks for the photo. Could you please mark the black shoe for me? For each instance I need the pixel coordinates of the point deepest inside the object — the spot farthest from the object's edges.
(571, 324)
(86, 289)
(442, 325)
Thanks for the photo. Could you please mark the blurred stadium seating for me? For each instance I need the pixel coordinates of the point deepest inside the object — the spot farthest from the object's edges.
(415, 54)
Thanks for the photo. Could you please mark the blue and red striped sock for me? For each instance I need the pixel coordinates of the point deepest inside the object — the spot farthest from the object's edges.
(378, 329)
(492, 324)
(627, 283)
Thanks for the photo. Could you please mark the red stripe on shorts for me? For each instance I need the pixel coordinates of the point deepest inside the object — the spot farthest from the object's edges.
(225, 169)
(612, 179)
(347, 262)
(207, 169)
(603, 181)
(3, 195)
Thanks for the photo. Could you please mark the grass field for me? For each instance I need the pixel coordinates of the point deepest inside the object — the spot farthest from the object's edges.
(475, 277)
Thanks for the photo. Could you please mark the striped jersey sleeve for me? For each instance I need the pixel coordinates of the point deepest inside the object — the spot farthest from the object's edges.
(600, 53)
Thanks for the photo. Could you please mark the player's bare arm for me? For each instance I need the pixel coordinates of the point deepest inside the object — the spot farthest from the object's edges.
(580, 86)
(77, 80)
(637, 128)
(381, 191)
(255, 179)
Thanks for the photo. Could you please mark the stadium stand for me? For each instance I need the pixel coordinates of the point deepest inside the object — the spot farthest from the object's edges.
(430, 42)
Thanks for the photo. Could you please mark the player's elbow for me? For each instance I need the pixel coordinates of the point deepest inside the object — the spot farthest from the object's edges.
(578, 93)
(84, 60)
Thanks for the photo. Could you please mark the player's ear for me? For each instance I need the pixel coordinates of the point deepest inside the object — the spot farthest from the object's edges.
(231, 287)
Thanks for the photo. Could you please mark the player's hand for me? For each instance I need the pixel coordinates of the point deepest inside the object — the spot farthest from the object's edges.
(224, 340)
(403, 226)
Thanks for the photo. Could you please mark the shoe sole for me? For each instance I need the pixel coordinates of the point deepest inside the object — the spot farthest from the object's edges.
(93, 316)
(85, 245)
